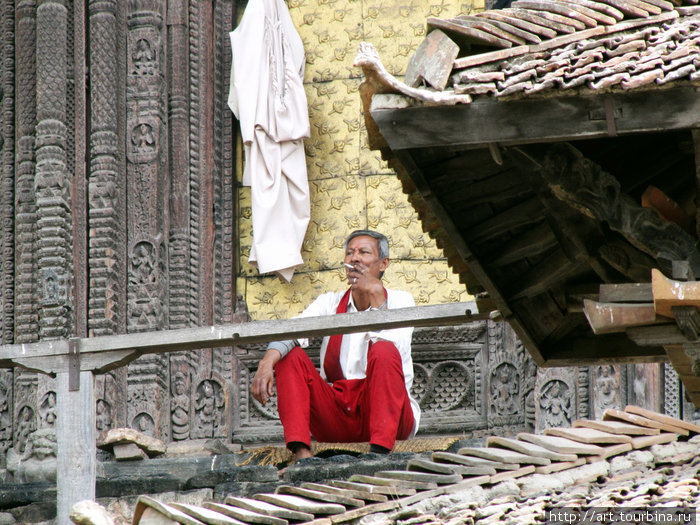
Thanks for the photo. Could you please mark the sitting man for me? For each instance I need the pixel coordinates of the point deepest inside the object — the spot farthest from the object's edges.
(363, 390)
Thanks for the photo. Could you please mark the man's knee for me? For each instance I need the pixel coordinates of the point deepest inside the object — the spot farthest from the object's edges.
(383, 351)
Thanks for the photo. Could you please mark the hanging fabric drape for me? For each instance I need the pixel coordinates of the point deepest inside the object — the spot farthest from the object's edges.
(267, 96)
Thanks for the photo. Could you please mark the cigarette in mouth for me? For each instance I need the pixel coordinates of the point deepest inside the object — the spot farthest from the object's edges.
(349, 266)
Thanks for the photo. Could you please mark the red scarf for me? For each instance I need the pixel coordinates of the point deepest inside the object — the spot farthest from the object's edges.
(331, 362)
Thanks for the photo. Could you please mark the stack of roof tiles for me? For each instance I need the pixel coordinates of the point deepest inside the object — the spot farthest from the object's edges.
(541, 45)
(582, 454)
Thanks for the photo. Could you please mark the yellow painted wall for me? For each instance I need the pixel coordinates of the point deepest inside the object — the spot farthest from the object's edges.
(351, 187)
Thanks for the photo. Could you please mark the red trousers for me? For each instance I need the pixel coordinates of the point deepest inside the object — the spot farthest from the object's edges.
(375, 409)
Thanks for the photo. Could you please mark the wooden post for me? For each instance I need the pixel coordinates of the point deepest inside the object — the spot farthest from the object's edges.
(75, 439)
(696, 147)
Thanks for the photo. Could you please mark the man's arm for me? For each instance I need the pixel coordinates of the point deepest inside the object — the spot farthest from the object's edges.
(263, 385)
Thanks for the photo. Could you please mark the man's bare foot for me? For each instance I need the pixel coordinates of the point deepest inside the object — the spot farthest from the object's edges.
(302, 452)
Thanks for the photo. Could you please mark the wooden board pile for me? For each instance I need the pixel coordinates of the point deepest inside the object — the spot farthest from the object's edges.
(341, 501)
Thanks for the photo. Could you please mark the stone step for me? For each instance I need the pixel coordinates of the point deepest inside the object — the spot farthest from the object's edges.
(268, 509)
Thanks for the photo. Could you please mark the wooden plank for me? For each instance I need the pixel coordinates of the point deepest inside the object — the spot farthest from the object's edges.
(420, 477)
(320, 495)
(393, 482)
(664, 334)
(569, 15)
(609, 451)
(606, 318)
(529, 448)
(205, 515)
(526, 26)
(511, 474)
(488, 27)
(245, 515)
(518, 31)
(626, 293)
(605, 348)
(663, 418)
(503, 455)
(389, 490)
(472, 461)
(588, 435)
(561, 445)
(668, 293)
(559, 466)
(616, 427)
(301, 504)
(103, 353)
(526, 121)
(466, 36)
(432, 61)
(448, 468)
(268, 509)
(76, 461)
(145, 502)
(351, 493)
(659, 439)
(635, 419)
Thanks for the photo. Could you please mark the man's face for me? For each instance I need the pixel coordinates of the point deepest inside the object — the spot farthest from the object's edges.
(362, 252)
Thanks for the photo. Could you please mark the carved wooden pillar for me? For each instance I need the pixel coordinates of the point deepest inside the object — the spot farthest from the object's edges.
(182, 363)
(107, 198)
(51, 183)
(25, 412)
(7, 210)
(147, 183)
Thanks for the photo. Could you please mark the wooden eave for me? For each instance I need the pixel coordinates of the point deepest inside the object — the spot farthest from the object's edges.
(410, 133)
(535, 120)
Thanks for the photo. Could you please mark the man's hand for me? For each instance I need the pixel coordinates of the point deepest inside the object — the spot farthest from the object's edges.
(263, 385)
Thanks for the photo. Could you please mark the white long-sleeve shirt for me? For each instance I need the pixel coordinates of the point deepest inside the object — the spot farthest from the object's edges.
(353, 349)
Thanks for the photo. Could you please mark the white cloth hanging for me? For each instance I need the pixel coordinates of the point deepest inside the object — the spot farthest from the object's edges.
(267, 96)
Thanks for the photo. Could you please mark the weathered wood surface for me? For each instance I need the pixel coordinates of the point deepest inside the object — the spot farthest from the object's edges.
(103, 353)
(528, 448)
(617, 427)
(642, 421)
(663, 418)
(669, 293)
(432, 61)
(626, 293)
(606, 318)
(588, 435)
(520, 121)
(468, 35)
(76, 463)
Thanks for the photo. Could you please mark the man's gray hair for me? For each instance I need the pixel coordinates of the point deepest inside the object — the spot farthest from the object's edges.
(382, 241)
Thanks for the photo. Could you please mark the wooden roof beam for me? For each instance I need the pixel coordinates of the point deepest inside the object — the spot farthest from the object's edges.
(532, 120)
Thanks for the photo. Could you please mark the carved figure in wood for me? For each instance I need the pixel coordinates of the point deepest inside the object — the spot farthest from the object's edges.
(555, 404)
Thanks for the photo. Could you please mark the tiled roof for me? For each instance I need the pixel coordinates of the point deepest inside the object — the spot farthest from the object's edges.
(627, 55)
(640, 458)
(546, 46)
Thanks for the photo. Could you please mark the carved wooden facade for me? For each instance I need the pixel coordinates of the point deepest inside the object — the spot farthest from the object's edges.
(117, 202)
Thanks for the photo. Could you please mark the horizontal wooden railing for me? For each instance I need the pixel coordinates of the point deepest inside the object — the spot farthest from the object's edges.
(75, 362)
